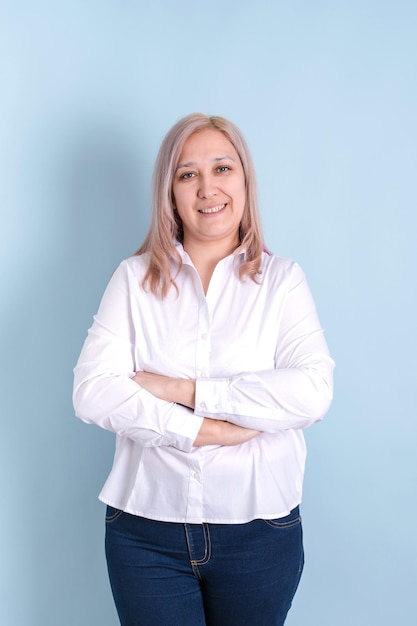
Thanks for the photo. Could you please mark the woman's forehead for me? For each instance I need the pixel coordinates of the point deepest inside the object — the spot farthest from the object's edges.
(207, 143)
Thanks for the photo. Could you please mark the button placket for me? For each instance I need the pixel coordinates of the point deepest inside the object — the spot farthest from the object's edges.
(195, 486)
(203, 343)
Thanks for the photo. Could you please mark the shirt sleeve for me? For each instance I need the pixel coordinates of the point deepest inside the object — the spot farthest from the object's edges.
(297, 392)
(104, 393)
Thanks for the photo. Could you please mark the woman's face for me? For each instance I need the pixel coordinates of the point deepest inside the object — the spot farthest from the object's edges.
(209, 189)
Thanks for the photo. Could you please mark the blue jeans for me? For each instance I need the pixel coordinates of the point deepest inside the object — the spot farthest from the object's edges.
(168, 574)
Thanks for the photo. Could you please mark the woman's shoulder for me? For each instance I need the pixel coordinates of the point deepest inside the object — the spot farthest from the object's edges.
(276, 262)
(132, 267)
(135, 262)
(279, 269)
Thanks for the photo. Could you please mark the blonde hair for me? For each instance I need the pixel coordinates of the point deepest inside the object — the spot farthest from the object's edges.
(166, 225)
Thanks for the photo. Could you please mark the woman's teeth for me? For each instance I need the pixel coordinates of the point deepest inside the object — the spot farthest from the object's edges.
(214, 209)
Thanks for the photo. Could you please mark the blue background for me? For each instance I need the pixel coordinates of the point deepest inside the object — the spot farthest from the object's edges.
(326, 95)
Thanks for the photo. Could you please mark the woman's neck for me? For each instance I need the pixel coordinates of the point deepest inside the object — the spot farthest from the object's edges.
(206, 255)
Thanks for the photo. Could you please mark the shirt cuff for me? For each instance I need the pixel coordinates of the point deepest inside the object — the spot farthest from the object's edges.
(183, 427)
(211, 396)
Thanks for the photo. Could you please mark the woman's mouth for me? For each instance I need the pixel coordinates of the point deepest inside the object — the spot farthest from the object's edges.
(214, 209)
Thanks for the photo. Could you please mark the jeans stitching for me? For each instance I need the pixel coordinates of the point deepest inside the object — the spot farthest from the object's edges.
(283, 525)
(188, 540)
(196, 563)
(207, 549)
(114, 516)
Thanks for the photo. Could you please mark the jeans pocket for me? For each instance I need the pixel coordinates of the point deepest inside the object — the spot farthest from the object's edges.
(289, 521)
(112, 514)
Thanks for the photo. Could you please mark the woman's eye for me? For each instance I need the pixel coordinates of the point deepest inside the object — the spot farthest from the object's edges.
(186, 176)
(223, 168)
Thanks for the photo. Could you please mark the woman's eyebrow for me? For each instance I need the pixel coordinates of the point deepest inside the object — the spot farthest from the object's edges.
(190, 164)
(226, 156)
(215, 160)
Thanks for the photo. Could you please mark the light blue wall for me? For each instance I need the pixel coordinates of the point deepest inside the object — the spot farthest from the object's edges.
(326, 95)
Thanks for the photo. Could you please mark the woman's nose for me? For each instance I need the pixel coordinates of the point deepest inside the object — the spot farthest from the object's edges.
(207, 187)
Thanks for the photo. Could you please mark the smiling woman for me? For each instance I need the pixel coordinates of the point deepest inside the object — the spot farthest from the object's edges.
(210, 198)
(167, 226)
(207, 359)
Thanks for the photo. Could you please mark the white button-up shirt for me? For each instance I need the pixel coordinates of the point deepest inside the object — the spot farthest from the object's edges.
(260, 360)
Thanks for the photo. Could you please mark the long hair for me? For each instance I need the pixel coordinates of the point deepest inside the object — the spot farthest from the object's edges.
(166, 226)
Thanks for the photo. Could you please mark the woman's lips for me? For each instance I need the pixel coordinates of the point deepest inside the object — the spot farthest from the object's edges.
(214, 209)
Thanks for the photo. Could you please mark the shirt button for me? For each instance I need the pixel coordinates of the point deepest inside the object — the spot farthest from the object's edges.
(196, 475)
(204, 336)
(203, 405)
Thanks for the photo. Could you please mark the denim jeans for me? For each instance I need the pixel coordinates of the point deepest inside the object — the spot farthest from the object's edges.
(169, 574)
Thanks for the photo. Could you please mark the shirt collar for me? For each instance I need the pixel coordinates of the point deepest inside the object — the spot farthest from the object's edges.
(240, 251)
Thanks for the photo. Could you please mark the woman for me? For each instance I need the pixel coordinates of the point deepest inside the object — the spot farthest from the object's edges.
(207, 359)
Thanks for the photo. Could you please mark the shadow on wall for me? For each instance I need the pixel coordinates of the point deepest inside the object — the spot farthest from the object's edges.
(58, 463)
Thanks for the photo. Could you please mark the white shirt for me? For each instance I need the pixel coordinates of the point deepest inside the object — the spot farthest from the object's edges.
(260, 360)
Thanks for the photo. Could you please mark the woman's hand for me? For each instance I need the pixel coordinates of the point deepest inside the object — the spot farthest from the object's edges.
(216, 432)
(179, 390)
